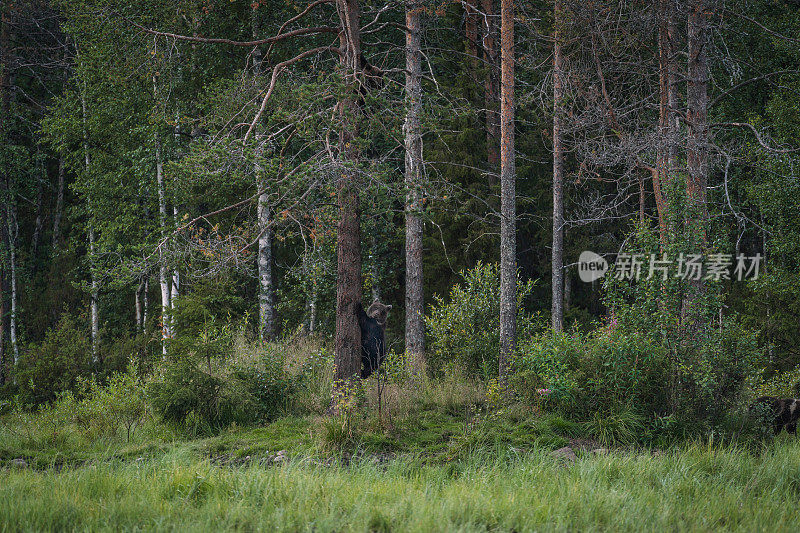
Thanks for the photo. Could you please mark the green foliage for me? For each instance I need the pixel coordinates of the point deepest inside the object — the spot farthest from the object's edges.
(600, 372)
(712, 360)
(781, 385)
(105, 409)
(184, 393)
(623, 425)
(55, 364)
(466, 329)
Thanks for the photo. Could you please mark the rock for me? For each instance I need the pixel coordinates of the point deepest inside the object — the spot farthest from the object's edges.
(19, 463)
(600, 451)
(565, 453)
(280, 458)
(282, 452)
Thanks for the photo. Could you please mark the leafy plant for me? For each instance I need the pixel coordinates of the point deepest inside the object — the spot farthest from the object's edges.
(465, 330)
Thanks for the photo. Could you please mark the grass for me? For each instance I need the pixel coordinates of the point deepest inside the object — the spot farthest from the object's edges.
(695, 487)
(438, 458)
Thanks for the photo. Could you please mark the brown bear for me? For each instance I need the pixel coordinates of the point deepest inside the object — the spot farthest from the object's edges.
(781, 412)
(373, 336)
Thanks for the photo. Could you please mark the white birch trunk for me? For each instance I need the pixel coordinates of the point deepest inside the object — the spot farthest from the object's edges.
(266, 300)
(94, 311)
(176, 275)
(163, 273)
(13, 230)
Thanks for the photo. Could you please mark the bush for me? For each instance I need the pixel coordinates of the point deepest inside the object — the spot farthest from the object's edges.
(184, 393)
(781, 384)
(601, 372)
(118, 405)
(466, 330)
(221, 378)
(55, 364)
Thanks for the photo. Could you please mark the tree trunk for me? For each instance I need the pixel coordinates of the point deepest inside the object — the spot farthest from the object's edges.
(557, 304)
(663, 178)
(176, 275)
(5, 108)
(93, 295)
(266, 298)
(94, 300)
(470, 27)
(490, 89)
(415, 324)
(59, 209)
(39, 222)
(347, 344)
(266, 284)
(145, 303)
(696, 153)
(137, 306)
(508, 199)
(13, 232)
(374, 271)
(163, 272)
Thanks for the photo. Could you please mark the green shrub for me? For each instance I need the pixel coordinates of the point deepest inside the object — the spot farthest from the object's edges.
(185, 393)
(713, 362)
(118, 405)
(55, 364)
(465, 331)
(781, 384)
(222, 377)
(600, 372)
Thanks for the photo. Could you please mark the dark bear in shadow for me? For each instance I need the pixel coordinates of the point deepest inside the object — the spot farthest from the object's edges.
(373, 336)
(780, 412)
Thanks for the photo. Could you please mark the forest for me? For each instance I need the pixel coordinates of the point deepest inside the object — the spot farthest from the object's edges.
(373, 265)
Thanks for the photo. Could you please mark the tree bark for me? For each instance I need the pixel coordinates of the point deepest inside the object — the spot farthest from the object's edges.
(266, 294)
(266, 284)
(696, 153)
(508, 199)
(145, 303)
(666, 111)
(176, 275)
(491, 89)
(415, 324)
(137, 307)
(163, 272)
(94, 310)
(94, 303)
(5, 108)
(347, 344)
(557, 260)
(470, 28)
(374, 270)
(13, 232)
(59, 209)
(39, 222)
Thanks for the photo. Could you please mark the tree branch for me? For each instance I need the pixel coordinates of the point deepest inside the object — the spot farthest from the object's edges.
(275, 73)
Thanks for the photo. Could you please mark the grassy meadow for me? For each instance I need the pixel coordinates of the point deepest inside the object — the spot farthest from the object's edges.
(696, 487)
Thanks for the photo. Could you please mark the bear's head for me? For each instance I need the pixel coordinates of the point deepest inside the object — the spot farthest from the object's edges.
(379, 311)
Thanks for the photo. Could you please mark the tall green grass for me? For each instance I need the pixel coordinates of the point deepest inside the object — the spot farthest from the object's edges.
(692, 488)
